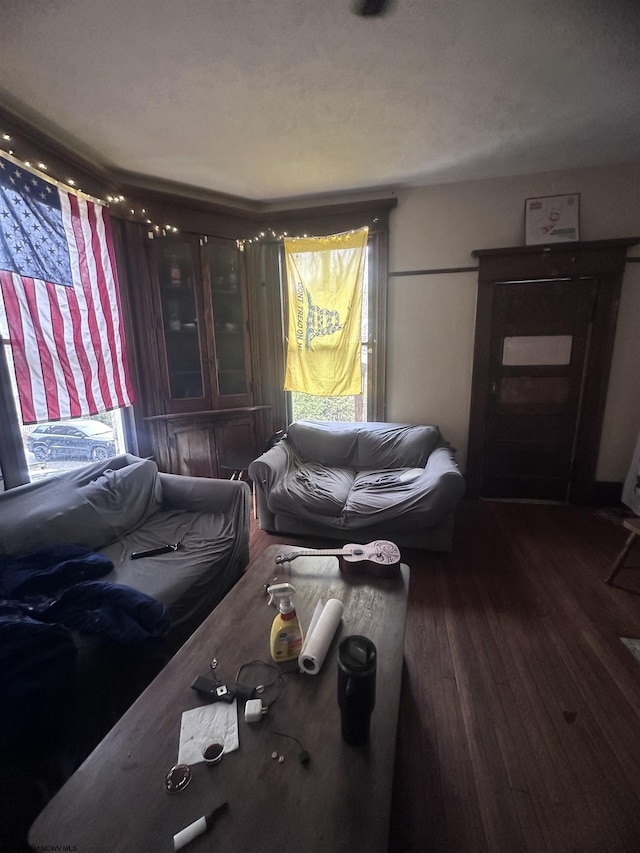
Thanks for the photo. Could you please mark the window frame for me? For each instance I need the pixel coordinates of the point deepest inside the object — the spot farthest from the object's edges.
(14, 470)
(376, 284)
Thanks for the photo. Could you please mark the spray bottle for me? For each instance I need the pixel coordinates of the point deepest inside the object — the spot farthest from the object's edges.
(286, 633)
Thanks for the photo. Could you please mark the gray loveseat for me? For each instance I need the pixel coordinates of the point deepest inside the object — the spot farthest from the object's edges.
(360, 481)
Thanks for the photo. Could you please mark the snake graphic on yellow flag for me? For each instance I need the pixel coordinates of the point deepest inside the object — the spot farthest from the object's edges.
(325, 276)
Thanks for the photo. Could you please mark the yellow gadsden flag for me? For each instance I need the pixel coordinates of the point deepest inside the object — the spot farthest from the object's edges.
(325, 276)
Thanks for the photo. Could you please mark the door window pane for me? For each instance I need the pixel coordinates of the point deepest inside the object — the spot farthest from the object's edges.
(539, 349)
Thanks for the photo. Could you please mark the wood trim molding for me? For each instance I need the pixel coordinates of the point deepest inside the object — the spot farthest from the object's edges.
(13, 461)
(557, 248)
(378, 299)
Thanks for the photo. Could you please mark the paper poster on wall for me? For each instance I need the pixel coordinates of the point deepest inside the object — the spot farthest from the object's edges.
(631, 489)
(552, 219)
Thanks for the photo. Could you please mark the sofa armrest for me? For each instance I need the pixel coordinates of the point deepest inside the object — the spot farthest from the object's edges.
(265, 471)
(443, 470)
(202, 494)
(272, 465)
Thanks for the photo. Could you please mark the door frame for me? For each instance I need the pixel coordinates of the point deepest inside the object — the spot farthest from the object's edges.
(599, 260)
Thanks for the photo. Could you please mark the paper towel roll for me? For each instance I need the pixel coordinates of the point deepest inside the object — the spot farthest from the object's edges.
(324, 625)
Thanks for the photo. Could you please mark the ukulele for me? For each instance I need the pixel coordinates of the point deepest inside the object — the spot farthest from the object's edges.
(380, 558)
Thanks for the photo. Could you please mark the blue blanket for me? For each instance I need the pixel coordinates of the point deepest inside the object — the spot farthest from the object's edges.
(47, 595)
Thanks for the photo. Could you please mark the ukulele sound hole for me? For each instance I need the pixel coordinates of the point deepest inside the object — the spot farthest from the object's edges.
(357, 552)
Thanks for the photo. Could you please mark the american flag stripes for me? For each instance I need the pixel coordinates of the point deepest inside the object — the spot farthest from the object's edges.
(60, 296)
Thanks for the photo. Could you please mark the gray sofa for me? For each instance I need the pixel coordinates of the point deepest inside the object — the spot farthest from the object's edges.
(61, 690)
(111, 509)
(360, 481)
(125, 504)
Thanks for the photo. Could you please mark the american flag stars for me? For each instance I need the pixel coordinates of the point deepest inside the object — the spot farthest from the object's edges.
(34, 243)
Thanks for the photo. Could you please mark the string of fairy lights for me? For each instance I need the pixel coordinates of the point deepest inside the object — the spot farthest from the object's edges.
(270, 235)
(40, 168)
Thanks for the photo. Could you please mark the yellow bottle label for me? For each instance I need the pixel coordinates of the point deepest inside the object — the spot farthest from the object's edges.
(286, 639)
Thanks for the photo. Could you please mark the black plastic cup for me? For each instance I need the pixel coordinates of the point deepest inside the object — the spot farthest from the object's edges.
(357, 658)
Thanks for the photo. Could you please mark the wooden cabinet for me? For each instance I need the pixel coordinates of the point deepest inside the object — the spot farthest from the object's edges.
(202, 337)
(195, 412)
(209, 444)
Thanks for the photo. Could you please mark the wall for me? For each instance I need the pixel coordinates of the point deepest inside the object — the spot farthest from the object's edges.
(431, 318)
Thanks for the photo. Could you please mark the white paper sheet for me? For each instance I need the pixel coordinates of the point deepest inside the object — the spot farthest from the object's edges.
(215, 723)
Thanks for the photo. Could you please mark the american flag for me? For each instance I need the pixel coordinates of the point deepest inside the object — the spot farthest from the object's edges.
(60, 296)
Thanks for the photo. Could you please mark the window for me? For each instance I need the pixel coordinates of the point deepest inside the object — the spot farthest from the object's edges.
(368, 406)
(51, 448)
(352, 408)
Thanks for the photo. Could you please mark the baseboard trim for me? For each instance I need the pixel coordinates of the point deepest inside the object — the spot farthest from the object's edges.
(607, 493)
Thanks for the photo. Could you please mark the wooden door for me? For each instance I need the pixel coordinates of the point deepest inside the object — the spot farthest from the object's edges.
(545, 328)
(538, 350)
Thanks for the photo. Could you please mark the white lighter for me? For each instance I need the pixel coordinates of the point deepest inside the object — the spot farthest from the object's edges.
(197, 827)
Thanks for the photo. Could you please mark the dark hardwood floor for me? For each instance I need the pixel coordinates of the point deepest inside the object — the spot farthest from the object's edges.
(519, 714)
(520, 708)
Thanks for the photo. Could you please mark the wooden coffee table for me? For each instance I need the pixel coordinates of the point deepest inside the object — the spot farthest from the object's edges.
(339, 801)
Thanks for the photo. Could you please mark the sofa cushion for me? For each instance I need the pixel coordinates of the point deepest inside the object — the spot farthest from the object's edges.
(314, 488)
(123, 498)
(364, 446)
(331, 444)
(57, 511)
(52, 513)
(203, 568)
(408, 496)
(396, 446)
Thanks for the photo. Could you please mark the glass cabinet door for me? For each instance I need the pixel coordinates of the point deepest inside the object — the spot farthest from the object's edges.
(180, 319)
(229, 322)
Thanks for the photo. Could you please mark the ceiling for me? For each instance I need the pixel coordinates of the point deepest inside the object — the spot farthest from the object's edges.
(273, 100)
